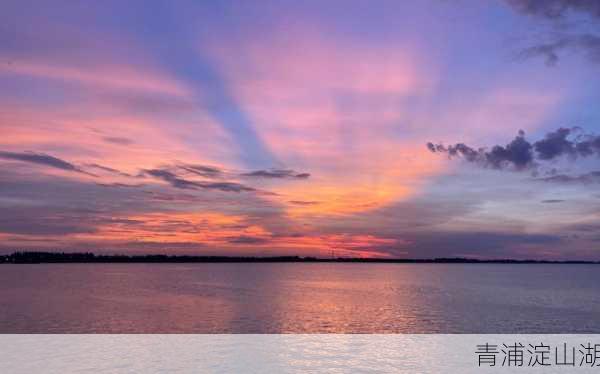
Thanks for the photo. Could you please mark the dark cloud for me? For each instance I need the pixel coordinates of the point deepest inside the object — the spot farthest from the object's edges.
(213, 172)
(516, 154)
(588, 178)
(202, 170)
(172, 179)
(588, 44)
(588, 145)
(168, 197)
(571, 38)
(120, 185)
(520, 154)
(302, 202)
(552, 201)
(227, 186)
(555, 9)
(108, 169)
(117, 140)
(105, 168)
(555, 144)
(41, 159)
(548, 51)
(246, 239)
(181, 183)
(277, 173)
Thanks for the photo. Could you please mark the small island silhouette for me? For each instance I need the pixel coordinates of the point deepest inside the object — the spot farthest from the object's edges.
(88, 257)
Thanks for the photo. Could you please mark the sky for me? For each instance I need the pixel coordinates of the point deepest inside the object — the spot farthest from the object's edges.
(410, 129)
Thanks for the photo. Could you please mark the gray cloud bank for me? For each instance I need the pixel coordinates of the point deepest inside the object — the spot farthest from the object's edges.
(171, 174)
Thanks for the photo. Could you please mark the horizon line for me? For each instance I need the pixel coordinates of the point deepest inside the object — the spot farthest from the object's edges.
(38, 257)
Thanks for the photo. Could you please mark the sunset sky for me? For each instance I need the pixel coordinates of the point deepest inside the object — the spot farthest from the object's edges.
(298, 127)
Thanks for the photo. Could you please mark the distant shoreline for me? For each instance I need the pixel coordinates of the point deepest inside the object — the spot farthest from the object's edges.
(81, 258)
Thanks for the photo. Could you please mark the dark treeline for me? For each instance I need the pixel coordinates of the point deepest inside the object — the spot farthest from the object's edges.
(60, 257)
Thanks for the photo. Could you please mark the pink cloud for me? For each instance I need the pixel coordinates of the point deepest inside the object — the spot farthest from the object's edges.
(120, 77)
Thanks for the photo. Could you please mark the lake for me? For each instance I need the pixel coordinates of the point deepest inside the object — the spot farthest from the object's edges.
(300, 298)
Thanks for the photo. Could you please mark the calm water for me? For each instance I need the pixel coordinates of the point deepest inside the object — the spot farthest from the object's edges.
(294, 298)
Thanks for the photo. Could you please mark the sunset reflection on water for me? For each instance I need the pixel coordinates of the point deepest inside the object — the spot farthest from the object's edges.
(298, 298)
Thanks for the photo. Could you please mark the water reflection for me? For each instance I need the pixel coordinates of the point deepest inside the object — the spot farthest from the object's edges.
(295, 298)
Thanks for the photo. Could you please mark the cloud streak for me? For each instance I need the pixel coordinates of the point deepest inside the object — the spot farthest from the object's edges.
(42, 159)
(277, 174)
(182, 183)
(108, 169)
(587, 178)
(117, 140)
(203, 170)
(303, 202)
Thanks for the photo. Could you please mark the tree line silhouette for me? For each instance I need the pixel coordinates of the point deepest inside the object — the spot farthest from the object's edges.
(89, 257)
